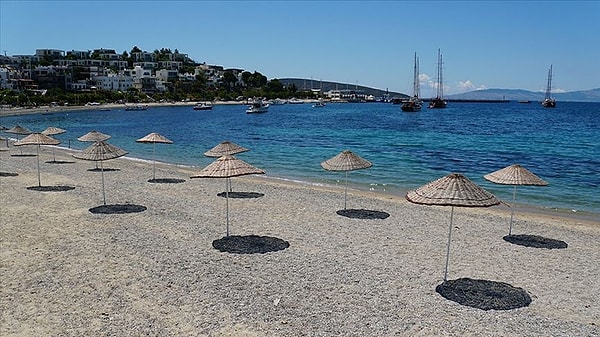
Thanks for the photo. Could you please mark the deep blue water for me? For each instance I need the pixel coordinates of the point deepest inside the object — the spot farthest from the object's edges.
(560, 145)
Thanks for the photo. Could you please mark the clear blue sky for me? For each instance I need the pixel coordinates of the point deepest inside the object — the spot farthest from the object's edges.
(485, 44)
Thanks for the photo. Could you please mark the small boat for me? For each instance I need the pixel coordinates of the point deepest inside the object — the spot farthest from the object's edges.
(524, 101)
(295, 101)
(257, 106)
(438, 102)
(319, 104)
(414, 103)
(203, 106)
(549, 101)
(137, 107)
(278, 101)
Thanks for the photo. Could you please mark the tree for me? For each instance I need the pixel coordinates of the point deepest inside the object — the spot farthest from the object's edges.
(229, 78)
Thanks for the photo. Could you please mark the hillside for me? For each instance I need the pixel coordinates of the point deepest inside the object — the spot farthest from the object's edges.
(307, 84)
(592, 95)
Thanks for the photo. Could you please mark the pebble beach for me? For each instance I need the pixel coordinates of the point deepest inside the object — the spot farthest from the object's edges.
(65, 271)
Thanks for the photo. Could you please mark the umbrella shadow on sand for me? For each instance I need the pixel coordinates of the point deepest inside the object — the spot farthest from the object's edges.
(349, 161)
(228, 166)
(457, 190)
(518, 175)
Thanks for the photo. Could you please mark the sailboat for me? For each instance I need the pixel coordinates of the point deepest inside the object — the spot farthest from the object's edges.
(414, 103)
(438, 102)
(549, 101)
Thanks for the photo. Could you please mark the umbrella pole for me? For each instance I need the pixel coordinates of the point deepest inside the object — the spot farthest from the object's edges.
(345, 190)
(154, 162)
(53, 155)
(102, 171)
(448, 247)
(227, 207)
(512, 211)
(38, 165)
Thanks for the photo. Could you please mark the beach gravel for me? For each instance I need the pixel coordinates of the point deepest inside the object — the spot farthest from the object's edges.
(65, 271)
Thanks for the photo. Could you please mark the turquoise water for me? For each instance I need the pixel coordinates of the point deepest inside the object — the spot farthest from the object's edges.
(560, 145)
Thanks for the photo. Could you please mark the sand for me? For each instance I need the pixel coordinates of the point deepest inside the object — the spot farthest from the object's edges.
(65, 271)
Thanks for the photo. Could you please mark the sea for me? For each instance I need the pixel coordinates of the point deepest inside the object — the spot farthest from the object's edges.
(560, 145)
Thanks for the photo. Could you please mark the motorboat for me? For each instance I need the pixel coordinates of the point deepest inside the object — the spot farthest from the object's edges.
(203, 106)
(319, 104)
(136, 107)
(257, 106)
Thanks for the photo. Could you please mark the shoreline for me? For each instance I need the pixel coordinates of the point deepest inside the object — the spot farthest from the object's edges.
(65, 270)
(521, 208)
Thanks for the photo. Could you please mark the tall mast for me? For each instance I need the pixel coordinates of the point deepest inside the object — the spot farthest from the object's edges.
(549, 86)
(440, 88)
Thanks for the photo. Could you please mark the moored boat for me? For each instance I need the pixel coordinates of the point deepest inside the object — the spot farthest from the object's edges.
(438, 102)
(414, 103)
(257, 106)
(549, 101)
(203, 106)
(319, 104)
(136, 107)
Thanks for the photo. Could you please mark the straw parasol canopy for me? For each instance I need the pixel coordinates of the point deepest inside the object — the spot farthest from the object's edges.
(514, 175)
(225, 148)
(37, 139)
(93, 136)
(227, 166)
(51, 131)
(154, 138)
(346, 161)
(100, 151)
(452, 190)
(19, 130)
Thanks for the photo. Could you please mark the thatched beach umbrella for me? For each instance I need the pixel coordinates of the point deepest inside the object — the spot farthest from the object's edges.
(99, 152)
(452, 190)
(94, 136)
(19, 130)
(225, 148)
(227, 166)
(154, 138)
(514, 175)
(346, 161)
(37, 139)
(51, 131)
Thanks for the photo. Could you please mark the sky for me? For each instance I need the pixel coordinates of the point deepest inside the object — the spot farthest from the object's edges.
(485, 44)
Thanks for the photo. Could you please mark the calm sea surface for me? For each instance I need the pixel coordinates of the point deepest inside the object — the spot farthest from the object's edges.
(560, 145)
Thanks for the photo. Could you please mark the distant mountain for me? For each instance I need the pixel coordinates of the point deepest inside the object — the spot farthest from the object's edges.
(592, 95)
(307, 84)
